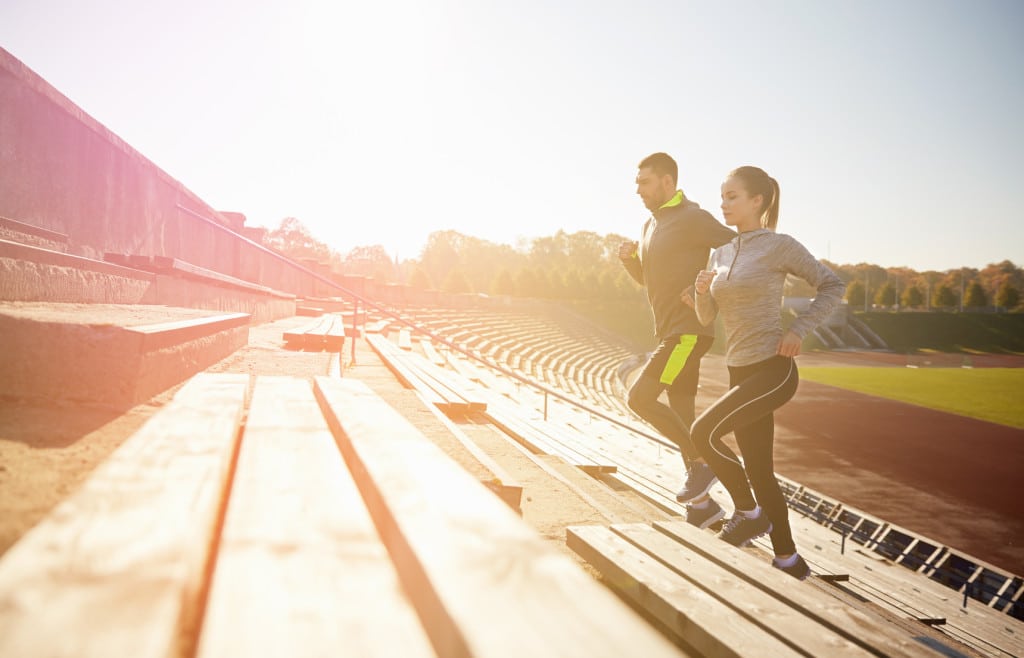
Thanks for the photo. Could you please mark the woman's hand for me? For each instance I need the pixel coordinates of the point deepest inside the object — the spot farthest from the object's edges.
(703, 282)
(687, 297)
(789, 345)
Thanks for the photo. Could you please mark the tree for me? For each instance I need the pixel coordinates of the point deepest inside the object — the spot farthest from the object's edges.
(593, 286)
(527, 283)
(855, 294)
(456, 282)
(372, 261)
(871, 276)
(420, 279)
(975, 296)
(441, 254)
(993, 276)
(912, 297)
(553, 284)
(886, 295)
(572, 284)
(294, 240)
(944, 297)
(1007, 296)
(503, 284)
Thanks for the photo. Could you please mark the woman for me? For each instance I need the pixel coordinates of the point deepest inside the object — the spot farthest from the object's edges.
(744, 283)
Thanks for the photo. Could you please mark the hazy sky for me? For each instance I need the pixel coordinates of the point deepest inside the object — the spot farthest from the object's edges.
(894, 127)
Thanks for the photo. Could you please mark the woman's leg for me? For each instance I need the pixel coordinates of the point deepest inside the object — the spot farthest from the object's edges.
(757, 390)
(756, 442)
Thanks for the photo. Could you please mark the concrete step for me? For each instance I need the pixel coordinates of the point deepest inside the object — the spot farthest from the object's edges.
(109, 354)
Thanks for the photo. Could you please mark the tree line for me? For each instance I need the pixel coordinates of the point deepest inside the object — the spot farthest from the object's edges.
(584, 265)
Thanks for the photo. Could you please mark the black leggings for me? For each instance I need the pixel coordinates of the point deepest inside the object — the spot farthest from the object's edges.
(747, 411)
(673, 367)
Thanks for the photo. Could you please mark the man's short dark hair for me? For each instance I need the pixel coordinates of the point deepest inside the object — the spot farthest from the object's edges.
(661, 164)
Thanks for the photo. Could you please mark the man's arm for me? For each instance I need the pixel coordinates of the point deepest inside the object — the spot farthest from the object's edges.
(630, 258)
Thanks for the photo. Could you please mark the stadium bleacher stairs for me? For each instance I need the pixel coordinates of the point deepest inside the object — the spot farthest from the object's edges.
(553, 384)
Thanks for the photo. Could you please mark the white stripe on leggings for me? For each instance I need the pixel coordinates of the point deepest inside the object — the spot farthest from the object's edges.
(711, 437)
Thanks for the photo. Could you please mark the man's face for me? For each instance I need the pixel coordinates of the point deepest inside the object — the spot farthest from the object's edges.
(653, 189)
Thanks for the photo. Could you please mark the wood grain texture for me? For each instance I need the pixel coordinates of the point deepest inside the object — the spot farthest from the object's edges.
(119, 568)
(684, 609)
(747, 602)
(301, 570)
(859, 626)
(483, 582)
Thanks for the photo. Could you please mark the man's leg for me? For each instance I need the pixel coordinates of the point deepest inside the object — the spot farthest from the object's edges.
(675, 367)
(643, 400)
(682, 374)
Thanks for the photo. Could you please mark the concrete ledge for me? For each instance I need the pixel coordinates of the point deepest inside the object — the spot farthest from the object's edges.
(32, 235)
(33, 274)
(29, 273)
(112, 355)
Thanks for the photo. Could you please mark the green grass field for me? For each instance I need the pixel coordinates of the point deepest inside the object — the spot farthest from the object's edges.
(992, 394)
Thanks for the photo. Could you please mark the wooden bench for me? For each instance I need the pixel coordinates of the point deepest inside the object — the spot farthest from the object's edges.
(326, 524)
(431, 352)
(905, 593)
(726, 602)
(118, 568)
(327, 332)
(483, 582)
(301, 568)
(418, 373)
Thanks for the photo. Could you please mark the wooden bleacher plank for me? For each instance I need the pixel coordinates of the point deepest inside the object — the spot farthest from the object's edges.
(458, 397)
(855, 624)
(752, 595)
(685, 610)
(297, 335)
(404, 340)
(656, 495)
(907, 592)
(334, 338)
(449, 384)
(431, 352)
(500, 482)
(301, 569)
(325, 332)
(385, 350)
(539, 436)
(118, 568)
(485, 584)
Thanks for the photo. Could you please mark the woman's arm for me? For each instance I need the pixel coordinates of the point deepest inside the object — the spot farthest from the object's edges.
(830, 288)
(703, 303)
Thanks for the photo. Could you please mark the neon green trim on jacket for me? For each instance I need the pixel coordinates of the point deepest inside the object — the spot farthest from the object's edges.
(674, 201)
(678, 358)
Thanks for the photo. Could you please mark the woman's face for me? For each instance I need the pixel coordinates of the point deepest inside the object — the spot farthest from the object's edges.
(739, 208)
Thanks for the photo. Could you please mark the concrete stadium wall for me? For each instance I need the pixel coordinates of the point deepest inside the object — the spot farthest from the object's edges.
(63, 171)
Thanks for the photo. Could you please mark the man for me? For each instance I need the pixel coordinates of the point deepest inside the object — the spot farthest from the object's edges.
(675, 244)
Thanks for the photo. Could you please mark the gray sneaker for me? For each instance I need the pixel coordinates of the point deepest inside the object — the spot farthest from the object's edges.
(739, 530)
(798, 570)
(702, 518)
(699, 479)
